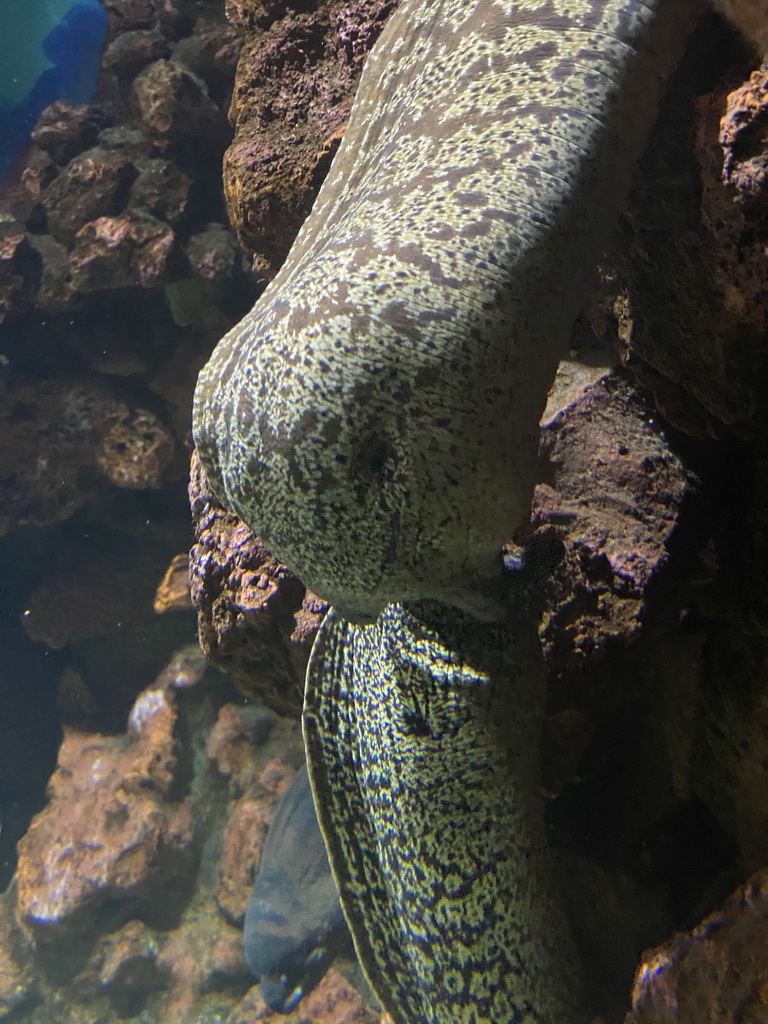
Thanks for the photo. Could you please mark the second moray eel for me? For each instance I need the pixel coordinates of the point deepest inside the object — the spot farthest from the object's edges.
(375, 420)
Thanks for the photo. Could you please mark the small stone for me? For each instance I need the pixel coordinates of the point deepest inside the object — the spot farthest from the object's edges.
(174, 589)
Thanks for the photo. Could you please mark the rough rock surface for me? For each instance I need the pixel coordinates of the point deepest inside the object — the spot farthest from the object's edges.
(247, 605)
(293, 93)
(689, 295)
(52, 432)
(715, 974)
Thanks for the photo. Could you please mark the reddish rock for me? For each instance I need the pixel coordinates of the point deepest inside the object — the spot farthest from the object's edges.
(161, 189)
(136, 450)
(20, 268)
(64, 130)
(334, 1001)
(113, 835)
(174, 105)
(293, 92)
(174, 589)
(246, 602)
(715, 974)
(122, 252)
(240, 856)
(94, 184)
(51, 431)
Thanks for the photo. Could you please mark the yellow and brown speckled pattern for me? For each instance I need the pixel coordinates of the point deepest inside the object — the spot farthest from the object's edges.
(426, 788)
(374, 418)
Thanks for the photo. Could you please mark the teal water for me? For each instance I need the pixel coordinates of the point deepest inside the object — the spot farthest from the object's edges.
(49, 50)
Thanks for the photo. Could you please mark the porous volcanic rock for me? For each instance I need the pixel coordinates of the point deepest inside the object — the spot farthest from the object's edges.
(246, 603)
(293, 92)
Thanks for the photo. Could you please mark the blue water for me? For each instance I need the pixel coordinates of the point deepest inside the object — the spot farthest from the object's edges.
(49, 50)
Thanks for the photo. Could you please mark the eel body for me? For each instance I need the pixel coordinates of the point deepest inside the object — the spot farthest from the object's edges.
(294, 925)
(426, 788)
(375, 419)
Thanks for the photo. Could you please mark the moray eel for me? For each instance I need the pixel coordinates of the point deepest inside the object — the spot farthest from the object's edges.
(294, 924)
(375, 419)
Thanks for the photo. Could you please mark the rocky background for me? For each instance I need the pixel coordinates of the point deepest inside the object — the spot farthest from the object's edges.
(136, 781)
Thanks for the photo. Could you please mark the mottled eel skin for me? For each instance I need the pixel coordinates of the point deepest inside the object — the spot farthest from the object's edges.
(375, 419)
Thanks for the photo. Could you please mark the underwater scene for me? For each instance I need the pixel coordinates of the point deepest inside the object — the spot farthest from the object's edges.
(393, 650)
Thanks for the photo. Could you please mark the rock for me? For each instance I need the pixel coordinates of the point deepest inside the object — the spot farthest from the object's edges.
(246, 602)
(211, 53)
(20, 268)
(334, 1001)
(162, 190)
(688, 293)
(57, 290)
(243, 845)
(131, 51)
(715, 974)
(135, 450)
(174, 588)
(113, 835)
(174, 105)
(614, 499)
(293, 93)
(64, 130)
(51, 431)
(213, 254)
(122, 252)
(237, 732)
(94, 184)
(15, 958)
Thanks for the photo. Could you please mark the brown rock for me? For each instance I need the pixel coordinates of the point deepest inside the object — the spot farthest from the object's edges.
(689, 300)
(619, 488)
(50, 431)
(174, 589)
(122, 252)
(20, 268)
(745, 165)
(213, 254)
(64, 130)
(234, 739)
(211, 53)
(241, 854)
(135, 450)
(15, 957)
(174, 105)
(162, 190)
(293, 93)
(246, 602)
(334, 1001)
(57, 290)
(129, 969)
(131, 51)
(715, 974)
(94, 184)
(613, 501)
(112, 836)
